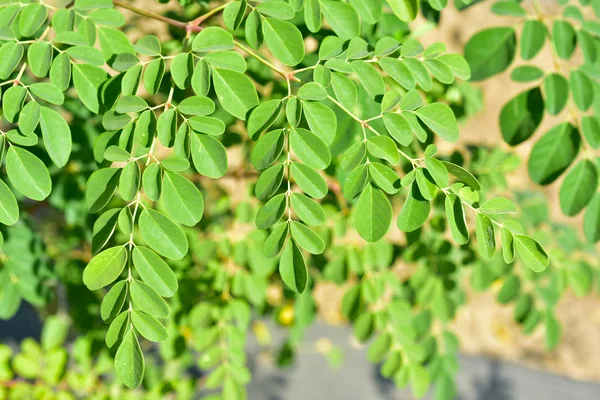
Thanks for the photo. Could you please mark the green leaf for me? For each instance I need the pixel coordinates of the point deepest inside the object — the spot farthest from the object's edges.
(322, 76)
(419, 380)
(29, 117)
(60, 71)
(182, 68)
(440, 71)
(211, 39)
(342, 18)
(370, 78)
(284, 40)
(12, 101)
(508, 245)
(591, 220)
(227, 60)
(39, 58)
(309, 148)
(532, 38)
(354, 156)
(253, 29)
(526, 73)
(521, 116)
(113, 301)
(10, 55)
(9, 209)
(47, 92)
(263, 116)
(104, 227)
(105, 268)
(268, 182)
(148, 45)
(307, 209)
(117, 330)
(321, 120)
(87, 54)
(356, 181)
(209, 125)
(292, 268)
(553, 153)
(553, 331)
(276, 240)
(373, 214)
(31, 18)
(28, 174)
(312, 15)
(440, 119)
(235, 91)
(162, 235)
(383, 147)
(130, 103)
(462, 175)
(578, 187)
(100, 188)
(312, 91)
(457, 64)
(563, 38)
(498, 205)
(582, 89)
(129, 361)
(57, 136)
(455, 213)
(148, 326)
(233, 14)
(306, 238)
(269, 214)
(113, 43)
(181, 199)
(175, 163)
(510, 290)
(364, 326)
(490, 51)
(590, 127)
(152, 181)
(129, 181)
(87, 80)
(398, 71)
(309, 180)
(405, 10)
(344, 89)
(485, 236)
(267, 149)
(398, 128)
(209, 156)
(154, 271)
(384, 177)
(437, 170)
(145, 298)
(532, 254)
(153, 75)
(415, 210)
(369, 10)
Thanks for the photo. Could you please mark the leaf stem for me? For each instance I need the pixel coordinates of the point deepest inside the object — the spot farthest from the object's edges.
(263, 61)
(188, 26)
(209, 14)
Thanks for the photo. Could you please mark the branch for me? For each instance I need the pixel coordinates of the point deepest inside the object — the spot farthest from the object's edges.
(188, 26)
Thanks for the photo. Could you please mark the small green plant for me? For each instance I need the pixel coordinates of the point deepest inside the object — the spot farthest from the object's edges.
(231, 168)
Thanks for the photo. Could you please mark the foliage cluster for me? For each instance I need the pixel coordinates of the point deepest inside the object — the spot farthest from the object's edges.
(185, 189)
